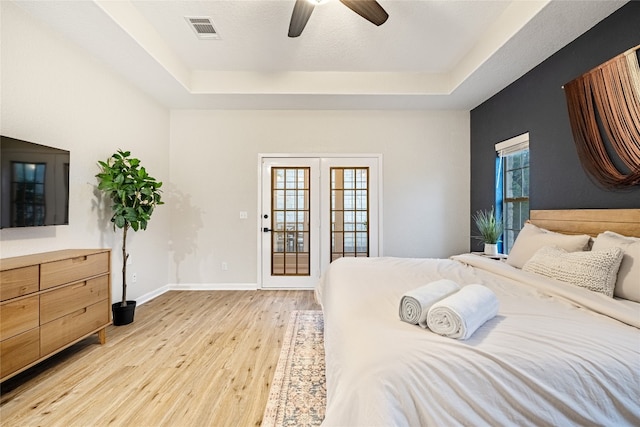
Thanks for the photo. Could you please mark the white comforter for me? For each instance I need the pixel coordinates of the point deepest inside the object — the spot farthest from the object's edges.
(544, 360)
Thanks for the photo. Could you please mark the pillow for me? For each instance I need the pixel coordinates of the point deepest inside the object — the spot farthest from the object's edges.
(532, 238)
(594, 270)
(628, 283)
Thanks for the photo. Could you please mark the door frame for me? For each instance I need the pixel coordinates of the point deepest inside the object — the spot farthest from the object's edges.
(259, 224)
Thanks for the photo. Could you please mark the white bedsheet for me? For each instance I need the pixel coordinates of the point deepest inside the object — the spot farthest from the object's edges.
(544, 360)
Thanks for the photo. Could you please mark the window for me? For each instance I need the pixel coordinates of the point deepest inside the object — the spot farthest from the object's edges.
(512, 187)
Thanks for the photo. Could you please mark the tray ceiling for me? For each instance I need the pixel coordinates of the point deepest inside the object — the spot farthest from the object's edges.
(429, 54)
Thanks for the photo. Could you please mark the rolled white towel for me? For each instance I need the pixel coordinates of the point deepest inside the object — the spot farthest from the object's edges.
(461, 314)
(415, 304)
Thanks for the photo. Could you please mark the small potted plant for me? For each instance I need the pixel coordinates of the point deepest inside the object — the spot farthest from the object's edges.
(134, 195)
(490, 229)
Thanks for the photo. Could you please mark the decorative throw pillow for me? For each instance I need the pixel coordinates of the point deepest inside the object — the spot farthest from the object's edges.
(594, 270)
(628, 283)
(532, 238)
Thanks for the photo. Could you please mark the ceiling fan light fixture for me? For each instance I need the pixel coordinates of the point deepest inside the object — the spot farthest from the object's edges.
(370, 10)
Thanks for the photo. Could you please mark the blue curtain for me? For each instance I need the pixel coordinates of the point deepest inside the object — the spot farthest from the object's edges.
(499, 195)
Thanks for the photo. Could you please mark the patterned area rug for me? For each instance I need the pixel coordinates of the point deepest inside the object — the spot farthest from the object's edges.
(298, 394)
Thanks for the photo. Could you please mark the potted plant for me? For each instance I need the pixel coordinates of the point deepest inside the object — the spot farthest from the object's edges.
(490, 229)
(134, 194)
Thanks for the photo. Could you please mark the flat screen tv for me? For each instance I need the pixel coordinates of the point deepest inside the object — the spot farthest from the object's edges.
(35, 184)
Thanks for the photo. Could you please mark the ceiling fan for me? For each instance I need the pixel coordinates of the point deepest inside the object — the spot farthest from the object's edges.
(368, 9)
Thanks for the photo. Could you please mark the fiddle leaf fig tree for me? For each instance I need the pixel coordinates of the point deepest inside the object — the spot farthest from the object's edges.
(134, 195)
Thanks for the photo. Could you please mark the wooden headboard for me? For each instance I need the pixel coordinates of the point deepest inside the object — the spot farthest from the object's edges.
(588, 221)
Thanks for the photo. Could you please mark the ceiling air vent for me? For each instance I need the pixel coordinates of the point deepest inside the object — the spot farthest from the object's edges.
(203, 27)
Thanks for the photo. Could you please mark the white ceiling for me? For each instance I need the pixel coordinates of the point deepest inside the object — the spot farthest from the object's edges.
(445, 54)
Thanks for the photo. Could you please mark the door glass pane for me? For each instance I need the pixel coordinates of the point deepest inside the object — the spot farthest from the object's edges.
(349, 212)
(290, 249)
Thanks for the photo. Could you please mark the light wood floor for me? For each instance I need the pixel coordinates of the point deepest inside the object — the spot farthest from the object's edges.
(198, 358)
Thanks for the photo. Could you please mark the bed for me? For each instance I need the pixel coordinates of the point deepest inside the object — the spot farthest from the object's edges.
(556, 354)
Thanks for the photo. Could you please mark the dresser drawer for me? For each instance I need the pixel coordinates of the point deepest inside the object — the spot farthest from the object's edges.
(62, 301)
(58, 333)
(18, 282)
(17, 352)
(73, 269)
(18, 316)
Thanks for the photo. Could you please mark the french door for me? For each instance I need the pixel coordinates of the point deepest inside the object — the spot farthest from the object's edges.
(313, 211)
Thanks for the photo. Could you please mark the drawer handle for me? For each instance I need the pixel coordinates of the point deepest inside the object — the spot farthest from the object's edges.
(80, 285)
(79, 259)
(80, 312)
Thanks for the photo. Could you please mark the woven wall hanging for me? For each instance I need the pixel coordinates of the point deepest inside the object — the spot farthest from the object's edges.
(604, 112)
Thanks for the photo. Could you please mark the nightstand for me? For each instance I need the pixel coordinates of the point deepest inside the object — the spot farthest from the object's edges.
(497, 257)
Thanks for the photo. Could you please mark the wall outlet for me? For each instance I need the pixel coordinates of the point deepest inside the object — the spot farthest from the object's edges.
(244, 215)
(134, 278)
(224, 266)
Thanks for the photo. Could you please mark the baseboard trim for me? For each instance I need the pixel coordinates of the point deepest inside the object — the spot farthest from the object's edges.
(214, 287)
(151, 295)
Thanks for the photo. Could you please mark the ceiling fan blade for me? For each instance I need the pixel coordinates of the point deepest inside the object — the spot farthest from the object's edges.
(368, 9)
(301, 13)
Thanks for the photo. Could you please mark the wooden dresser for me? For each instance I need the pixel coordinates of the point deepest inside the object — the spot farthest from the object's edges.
(49, 301)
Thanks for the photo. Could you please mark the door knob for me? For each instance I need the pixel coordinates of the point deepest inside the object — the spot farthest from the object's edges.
(266, 230)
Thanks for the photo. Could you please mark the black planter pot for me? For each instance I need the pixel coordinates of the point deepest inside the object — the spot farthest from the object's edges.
(123, 315)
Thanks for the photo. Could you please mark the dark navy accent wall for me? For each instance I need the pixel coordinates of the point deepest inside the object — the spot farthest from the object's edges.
(535, 103)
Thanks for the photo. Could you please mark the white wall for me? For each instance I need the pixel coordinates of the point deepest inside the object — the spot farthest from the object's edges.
(52, 93)
(214, 176)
